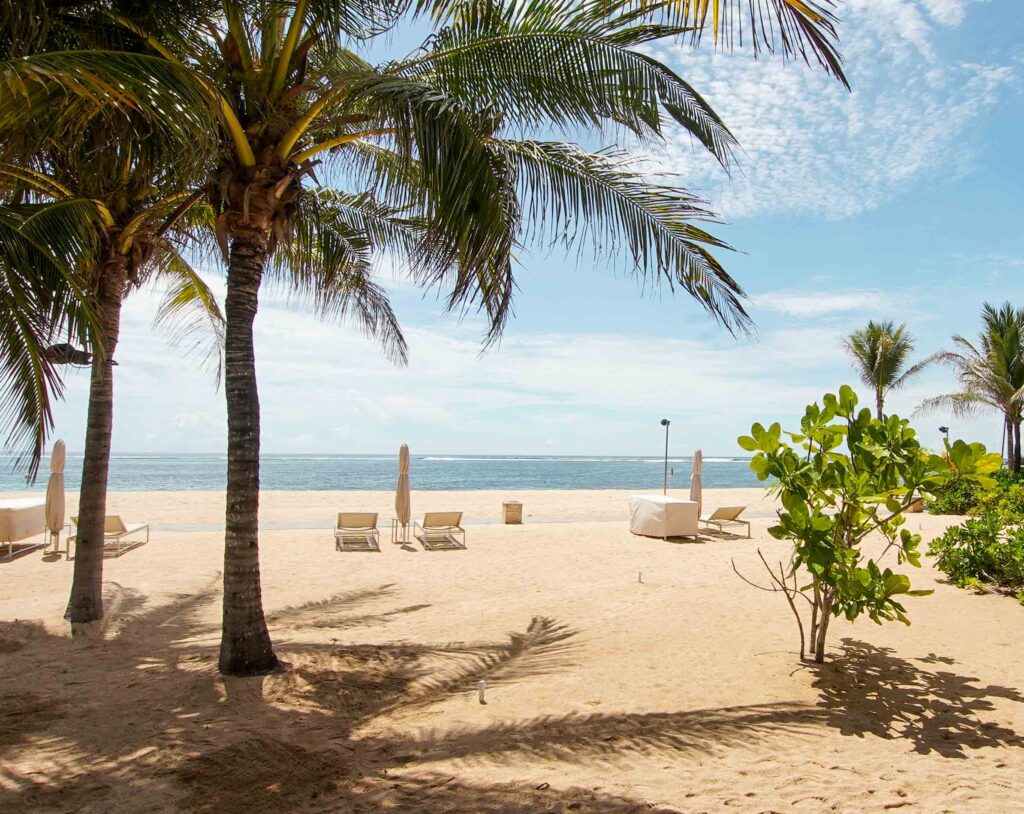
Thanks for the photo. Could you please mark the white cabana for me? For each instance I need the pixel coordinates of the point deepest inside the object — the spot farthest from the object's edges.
(658, 516)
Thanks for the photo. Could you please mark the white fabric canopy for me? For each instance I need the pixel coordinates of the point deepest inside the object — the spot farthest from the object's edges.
(696, 487)
(55, 493)
(657, 516)
(403, 501)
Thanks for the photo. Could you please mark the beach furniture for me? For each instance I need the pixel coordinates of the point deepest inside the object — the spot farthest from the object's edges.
(20, 519)
(116, 535)
(512, 513)
(357, 531)
(440, 530)
(727, 516)
(659, 516)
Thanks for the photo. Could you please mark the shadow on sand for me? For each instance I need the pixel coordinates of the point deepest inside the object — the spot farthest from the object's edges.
(141, 720)
(868, 690)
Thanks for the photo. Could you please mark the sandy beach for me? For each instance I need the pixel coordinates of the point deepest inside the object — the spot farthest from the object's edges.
(623, 674)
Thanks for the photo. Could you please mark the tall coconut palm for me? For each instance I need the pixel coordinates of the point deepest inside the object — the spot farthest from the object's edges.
(136, 216)
(879, 353)
(129, 179)
(431, 133)
(990, 373)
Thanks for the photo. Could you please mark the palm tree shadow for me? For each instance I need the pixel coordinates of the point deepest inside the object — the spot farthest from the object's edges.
(869, 690)
(146, 710)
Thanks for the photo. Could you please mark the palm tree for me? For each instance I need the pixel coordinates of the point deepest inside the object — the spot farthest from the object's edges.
(134, 231)
(879, 353)
(429, 133)
(990, 373)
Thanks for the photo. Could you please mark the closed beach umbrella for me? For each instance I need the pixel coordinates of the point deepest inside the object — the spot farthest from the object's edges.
(403, 506)
(695, 484)
(55, 494)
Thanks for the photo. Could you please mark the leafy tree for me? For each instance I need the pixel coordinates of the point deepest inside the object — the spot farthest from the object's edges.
(430, 134)
(990, 373)
(879, 353)
(849, 476)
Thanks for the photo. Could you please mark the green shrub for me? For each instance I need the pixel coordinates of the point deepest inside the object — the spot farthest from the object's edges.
(982, 552)
(960, 499)
(1005, 499)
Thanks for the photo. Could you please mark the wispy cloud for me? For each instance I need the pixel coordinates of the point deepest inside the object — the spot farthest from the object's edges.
(811, 147)
(823, 303)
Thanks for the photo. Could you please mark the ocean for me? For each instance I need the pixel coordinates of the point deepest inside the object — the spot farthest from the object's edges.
(143, 473)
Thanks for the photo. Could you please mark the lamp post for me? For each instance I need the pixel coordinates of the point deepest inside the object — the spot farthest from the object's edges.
(665, 423)
(945, 431)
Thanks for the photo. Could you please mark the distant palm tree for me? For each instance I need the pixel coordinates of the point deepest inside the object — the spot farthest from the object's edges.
(879, 354)
(990, 373)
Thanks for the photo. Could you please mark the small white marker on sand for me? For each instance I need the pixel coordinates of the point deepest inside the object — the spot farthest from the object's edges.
(481, 686)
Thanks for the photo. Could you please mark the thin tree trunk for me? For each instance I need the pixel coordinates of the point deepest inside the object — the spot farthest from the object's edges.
(1016, 446)
(86, 603)
(1002, 440)
(879, 403)
(825, 616)
(245, 647)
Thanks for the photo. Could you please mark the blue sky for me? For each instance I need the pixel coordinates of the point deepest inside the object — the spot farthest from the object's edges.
(899, 200)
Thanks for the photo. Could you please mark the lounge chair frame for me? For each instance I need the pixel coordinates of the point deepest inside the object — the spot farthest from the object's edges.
(730, 517)
(356, 531)
(440, 531)
(116, 536)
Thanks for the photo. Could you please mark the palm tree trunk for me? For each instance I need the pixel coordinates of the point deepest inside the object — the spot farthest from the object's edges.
(1008, 433)
(1016, 446)
(86, 603)
(879, 403)
(245, 647)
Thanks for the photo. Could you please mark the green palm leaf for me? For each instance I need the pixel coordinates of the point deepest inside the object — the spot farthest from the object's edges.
(601, 199)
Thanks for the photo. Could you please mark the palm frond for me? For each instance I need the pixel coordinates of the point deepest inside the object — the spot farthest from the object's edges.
(39, 301)
(189, 311)
(568, 71)
(797, 29)
(328, 262)
(599, 198)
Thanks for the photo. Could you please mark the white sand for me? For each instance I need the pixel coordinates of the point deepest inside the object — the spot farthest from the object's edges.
(681, 693)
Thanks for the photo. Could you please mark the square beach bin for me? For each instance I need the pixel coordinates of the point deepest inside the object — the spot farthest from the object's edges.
(513, 512)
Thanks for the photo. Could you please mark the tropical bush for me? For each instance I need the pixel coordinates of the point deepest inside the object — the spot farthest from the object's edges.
(959, 499)
(982, 552)
(1005, 498)
(846, 475)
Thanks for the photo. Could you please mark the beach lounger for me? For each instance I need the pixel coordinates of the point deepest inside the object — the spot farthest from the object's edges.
(440, 530)
(116, 534)
(357, 531)
(727, 516)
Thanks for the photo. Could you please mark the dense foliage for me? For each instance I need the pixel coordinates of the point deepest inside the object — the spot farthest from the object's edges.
(850, 475)
(1005, 498)
(982, 552)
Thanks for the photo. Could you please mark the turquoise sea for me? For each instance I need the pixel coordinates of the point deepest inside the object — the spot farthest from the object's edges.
(431, 472)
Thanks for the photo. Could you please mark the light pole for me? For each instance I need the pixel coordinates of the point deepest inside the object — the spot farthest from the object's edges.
(665, 423)
(945, 431)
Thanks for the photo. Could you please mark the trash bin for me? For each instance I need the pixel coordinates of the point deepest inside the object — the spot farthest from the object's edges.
(513, 511)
